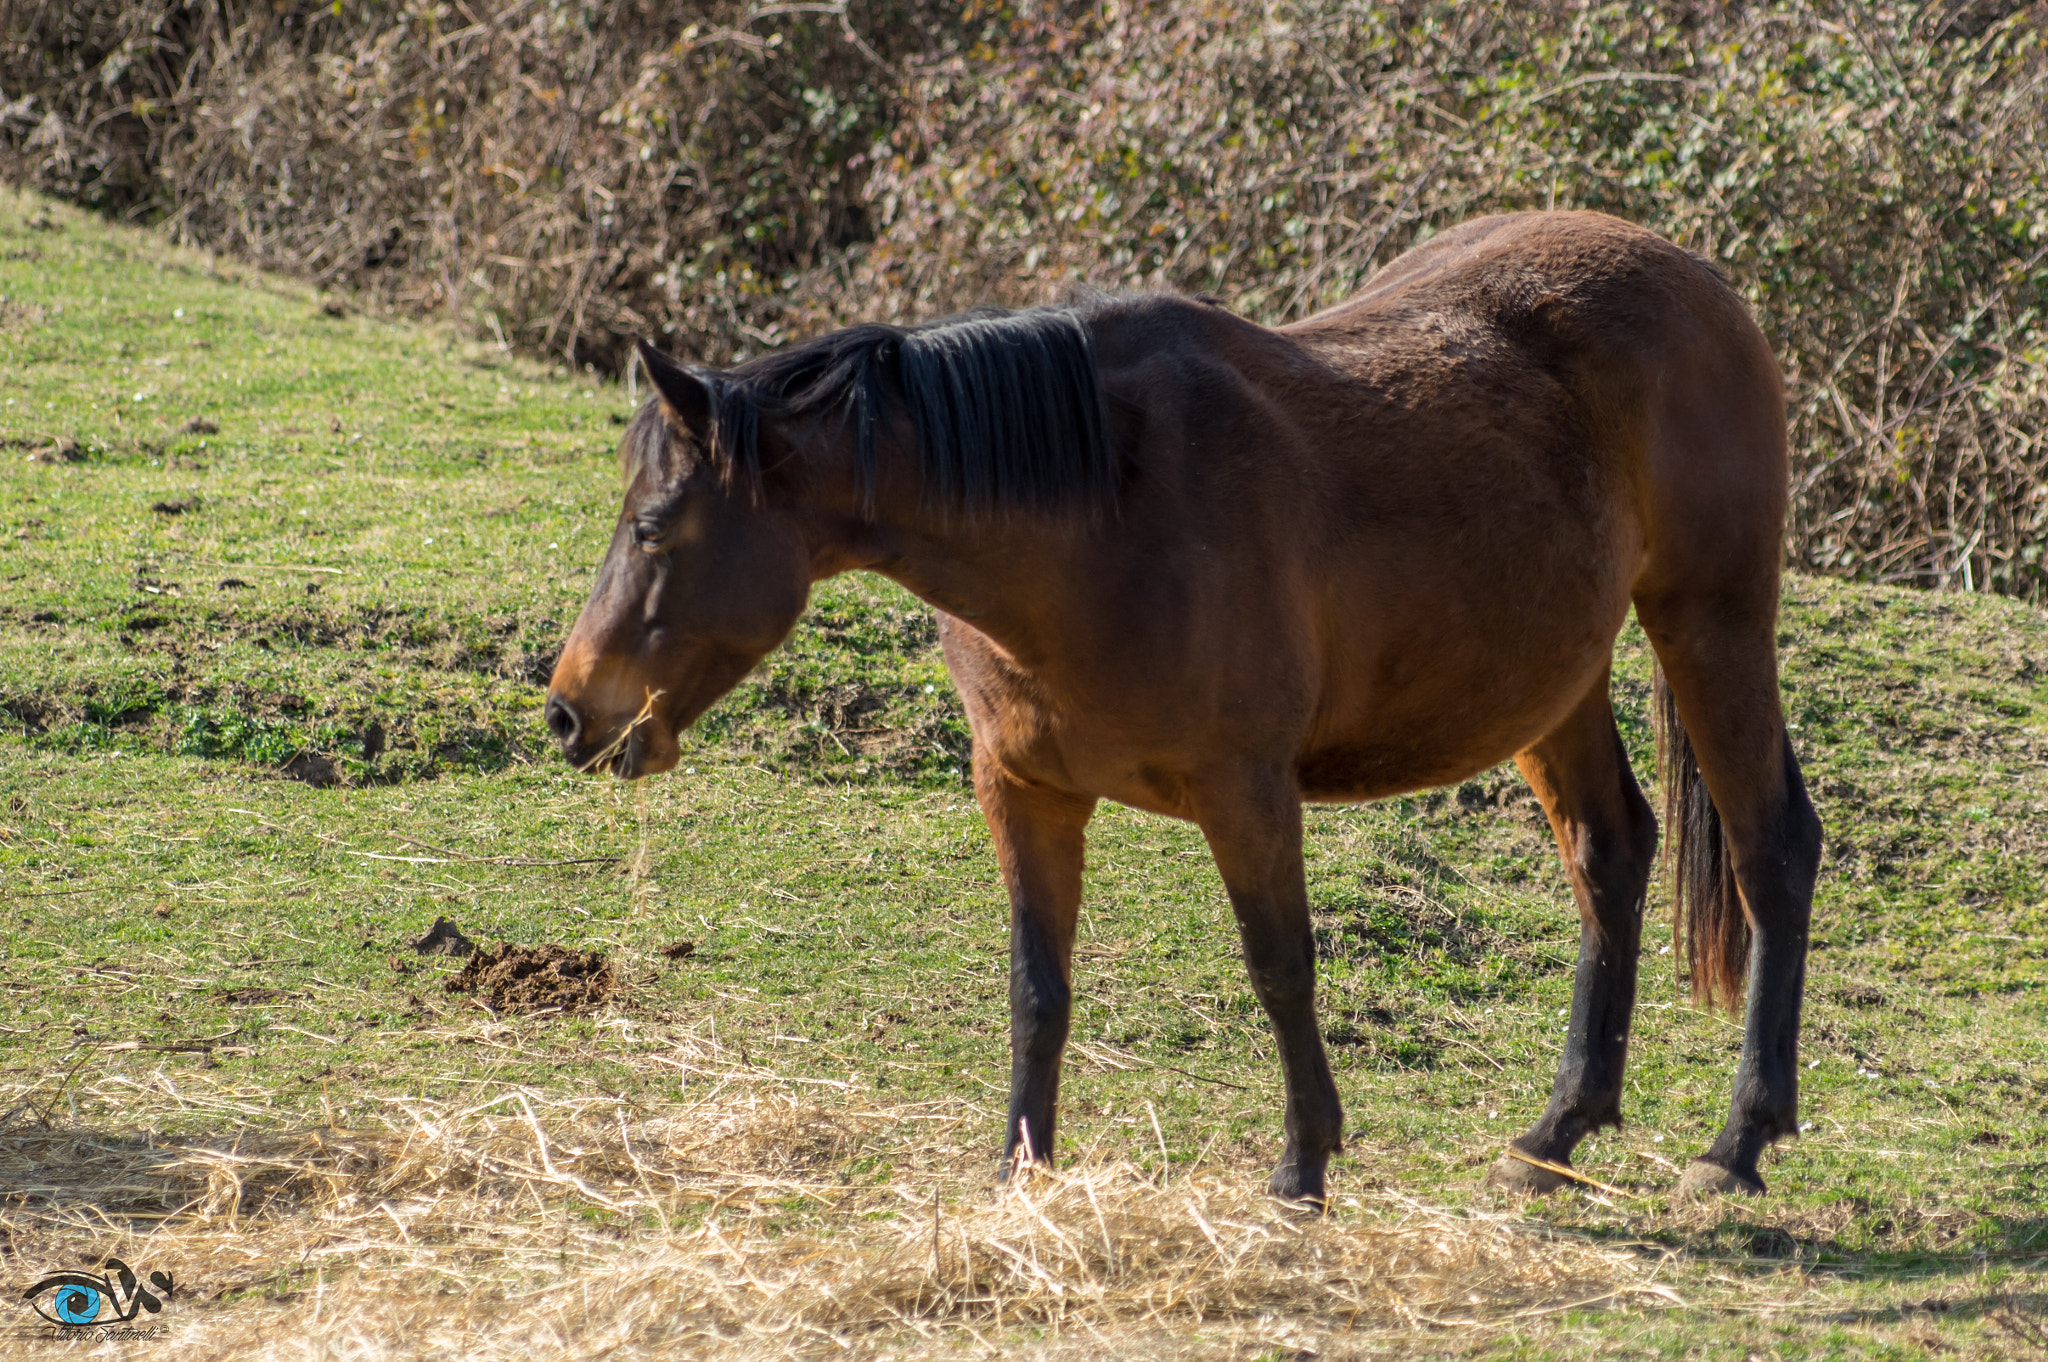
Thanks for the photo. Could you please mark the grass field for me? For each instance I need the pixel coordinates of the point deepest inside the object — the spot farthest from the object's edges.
(279, 585)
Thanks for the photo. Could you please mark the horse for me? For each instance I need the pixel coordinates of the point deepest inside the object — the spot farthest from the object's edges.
(1212, 570)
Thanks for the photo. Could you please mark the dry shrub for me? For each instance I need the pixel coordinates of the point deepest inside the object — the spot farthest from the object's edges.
(571, 173)
(1870, 175)
(526, 1228)
(564, 175)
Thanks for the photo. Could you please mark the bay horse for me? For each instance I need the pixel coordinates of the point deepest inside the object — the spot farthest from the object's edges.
(1211, 569)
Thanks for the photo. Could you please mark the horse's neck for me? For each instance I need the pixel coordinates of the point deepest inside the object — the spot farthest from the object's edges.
(964, 585)
(978, 568)
(975, 569)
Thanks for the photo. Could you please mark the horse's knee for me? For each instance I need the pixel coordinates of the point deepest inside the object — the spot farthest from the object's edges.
(1802, 833)
(1283, 985)
(1778, 863)
(1041, 1009)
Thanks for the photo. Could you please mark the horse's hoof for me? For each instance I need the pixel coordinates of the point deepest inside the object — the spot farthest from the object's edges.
(1298, 1188)
(1014, 1169)
(1704, 1178)
(1510, 1174)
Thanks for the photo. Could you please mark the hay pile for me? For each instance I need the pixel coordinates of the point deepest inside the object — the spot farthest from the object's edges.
(740, 1222)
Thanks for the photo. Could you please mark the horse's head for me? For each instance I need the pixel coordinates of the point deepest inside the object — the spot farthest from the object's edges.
(701, 581)
(741, 488)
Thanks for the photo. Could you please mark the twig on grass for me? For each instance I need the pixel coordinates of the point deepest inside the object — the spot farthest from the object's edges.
(1566, 1171)
(1129, 1061)
(196, 1043)
(1657, 1159)
(43, 1117)
(480, 860)
(272, 567)
(315, 1035)
(458, 857)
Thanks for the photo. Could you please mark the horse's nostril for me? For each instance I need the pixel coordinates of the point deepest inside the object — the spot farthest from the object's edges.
(562, 720)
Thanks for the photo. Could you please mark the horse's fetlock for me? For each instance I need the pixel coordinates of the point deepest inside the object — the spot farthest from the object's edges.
(1586, 1120)
(1776, 1123)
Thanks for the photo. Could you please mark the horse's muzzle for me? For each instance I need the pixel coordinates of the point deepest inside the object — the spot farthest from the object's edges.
(629, 751)
(571, 732)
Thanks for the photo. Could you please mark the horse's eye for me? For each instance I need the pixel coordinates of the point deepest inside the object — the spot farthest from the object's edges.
(648, 536)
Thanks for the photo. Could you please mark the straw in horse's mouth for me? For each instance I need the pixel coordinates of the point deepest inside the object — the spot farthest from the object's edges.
(618, 756)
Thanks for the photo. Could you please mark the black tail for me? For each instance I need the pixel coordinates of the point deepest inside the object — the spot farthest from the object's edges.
(1706, 910)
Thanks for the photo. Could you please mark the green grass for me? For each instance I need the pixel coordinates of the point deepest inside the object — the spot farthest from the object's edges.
(208, 788)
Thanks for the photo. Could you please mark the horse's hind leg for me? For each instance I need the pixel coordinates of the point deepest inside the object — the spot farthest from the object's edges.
(1039, 838)
(1740, 830)
(1719, 657)
(1607, 838)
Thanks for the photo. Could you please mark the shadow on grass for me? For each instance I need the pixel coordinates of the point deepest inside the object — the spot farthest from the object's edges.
(1843, 1243)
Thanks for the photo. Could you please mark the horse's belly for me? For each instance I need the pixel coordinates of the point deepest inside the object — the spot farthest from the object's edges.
(1367, 771)
(1383, 761)
(1416, 716)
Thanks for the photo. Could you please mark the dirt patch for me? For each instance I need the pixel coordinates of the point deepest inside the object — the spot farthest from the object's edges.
(444, 938)
(16, 315)
(312, 768)
(528, 979)
(33, 716)
(246, 997)
(46, 450)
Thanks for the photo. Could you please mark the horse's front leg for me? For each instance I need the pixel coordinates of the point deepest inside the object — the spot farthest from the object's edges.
(1253, 826)
(1039, 835)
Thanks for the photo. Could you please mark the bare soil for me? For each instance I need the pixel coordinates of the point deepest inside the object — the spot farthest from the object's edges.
(530, 979)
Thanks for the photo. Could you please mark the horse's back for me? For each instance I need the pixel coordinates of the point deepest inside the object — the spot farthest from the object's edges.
(1608, 275)
(1398, 538)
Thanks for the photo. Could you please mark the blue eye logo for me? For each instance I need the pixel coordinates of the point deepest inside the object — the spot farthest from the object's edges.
(76, 1304)
(77, 1300)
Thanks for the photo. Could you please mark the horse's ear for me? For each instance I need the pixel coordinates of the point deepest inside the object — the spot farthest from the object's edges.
(686, 392)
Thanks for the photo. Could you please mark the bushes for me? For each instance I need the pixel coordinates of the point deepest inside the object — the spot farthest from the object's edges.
(1872, 178)
(561, 174)
(569, 173)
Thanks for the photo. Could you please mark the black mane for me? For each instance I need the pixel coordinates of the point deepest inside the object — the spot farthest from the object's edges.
(1006, 406)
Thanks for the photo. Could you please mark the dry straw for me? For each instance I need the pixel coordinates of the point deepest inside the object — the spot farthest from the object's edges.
(730, 1223)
